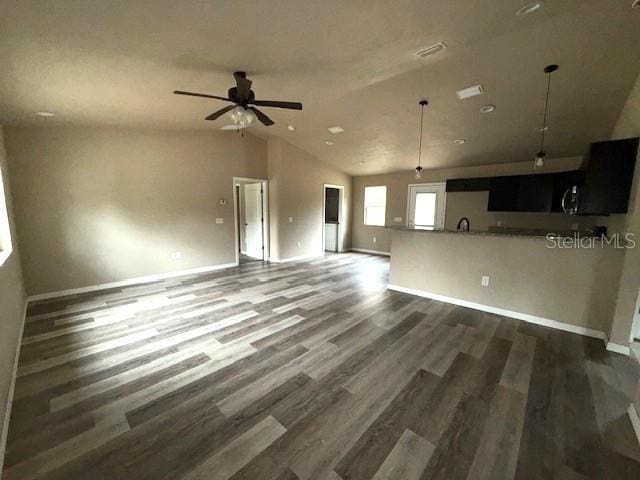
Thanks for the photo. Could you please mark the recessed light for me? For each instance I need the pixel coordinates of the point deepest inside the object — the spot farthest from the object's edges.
(329, 142)
(487, 108)
(459, 141)
(46, 114)
(291, 128)
(470, 92)
(336, 129)
(431, 50)
(529, 8)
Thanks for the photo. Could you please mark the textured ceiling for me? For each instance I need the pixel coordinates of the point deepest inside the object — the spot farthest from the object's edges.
(351, 63)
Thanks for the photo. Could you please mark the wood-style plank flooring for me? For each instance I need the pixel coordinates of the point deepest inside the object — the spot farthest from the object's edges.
(309, 370)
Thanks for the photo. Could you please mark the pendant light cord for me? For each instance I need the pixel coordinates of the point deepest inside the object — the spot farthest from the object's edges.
(420, 141)
(546, 109)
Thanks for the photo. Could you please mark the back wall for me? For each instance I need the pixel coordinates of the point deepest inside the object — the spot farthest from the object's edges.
(95, 205)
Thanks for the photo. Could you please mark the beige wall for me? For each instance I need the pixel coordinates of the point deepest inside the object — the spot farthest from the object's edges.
(575, 286)
(296, 189)
(12, 301)
(98, 204)
(472, 205)
(628, 125)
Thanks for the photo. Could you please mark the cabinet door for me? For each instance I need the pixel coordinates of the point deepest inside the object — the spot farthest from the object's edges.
(609, 176)
(468, 184)
(503, 194)
(535, 193)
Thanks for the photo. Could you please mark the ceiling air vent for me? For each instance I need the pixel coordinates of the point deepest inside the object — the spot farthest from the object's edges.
(432, 50)
(470, 92)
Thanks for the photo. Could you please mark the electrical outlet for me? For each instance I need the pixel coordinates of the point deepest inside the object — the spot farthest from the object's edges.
(299, 244)
(499, 223)
(574, 226)
(397, 219)
(485, 280)
(374, 239)
(176, 255)
(219, 220)
(290, 219)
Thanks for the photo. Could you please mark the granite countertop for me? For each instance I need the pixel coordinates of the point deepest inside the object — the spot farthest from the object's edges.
(500, 231)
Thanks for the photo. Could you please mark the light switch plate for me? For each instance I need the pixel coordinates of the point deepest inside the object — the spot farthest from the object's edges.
(290, 219)
(374, 239)
(219, 220)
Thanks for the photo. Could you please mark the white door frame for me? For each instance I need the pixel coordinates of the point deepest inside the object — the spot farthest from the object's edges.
(265, 214)
(432, 184)
(340, 216)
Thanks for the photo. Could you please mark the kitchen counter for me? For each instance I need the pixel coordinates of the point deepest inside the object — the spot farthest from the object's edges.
(500, 231)
(511, 274)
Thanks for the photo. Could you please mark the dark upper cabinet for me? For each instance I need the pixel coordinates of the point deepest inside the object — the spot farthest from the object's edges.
(535, 193)
(608, 179)
(468, 184)
(503, 194)
(521, 193)
(603, 188)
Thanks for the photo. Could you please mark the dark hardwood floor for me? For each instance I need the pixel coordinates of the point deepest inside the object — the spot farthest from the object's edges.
(309, 370)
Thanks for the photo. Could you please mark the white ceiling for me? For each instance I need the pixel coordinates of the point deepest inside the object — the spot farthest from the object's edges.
(351, 63)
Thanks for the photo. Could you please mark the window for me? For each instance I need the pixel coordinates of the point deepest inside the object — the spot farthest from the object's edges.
(375, 205)
(5, 235)
(426, 205)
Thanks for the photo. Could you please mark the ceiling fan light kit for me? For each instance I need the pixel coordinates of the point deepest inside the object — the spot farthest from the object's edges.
(243, 111)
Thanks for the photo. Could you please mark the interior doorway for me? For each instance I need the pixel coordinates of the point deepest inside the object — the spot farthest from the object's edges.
(332, 217)
(251, 218)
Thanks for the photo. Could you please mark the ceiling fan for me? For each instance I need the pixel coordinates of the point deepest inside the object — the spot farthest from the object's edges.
(243, 111)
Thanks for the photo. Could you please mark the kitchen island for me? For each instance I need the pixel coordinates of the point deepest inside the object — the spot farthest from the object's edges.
(530, 277)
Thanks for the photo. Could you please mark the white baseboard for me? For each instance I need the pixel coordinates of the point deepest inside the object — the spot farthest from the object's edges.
(616, 347)
(374, 252)
(635, 420)
(545, 322)
(12, 386)
(131, 281)
(295, 259)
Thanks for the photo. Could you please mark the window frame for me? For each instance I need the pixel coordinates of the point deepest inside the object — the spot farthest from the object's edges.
(384, 206)
(6, 243)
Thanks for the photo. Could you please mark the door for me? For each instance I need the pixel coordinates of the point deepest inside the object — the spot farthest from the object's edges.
(426, 206)
(331, 218)
(253, 220)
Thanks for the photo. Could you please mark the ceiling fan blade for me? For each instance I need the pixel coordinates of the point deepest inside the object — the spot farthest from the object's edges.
(244, 85)
(272, 103)
(220, 112)
(262, 117)
(204, 95)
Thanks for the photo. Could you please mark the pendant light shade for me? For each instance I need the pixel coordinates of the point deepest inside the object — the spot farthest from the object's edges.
(542, 155)
(423, 103)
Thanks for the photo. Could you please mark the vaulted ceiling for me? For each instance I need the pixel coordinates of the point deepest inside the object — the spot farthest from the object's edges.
(351, 63)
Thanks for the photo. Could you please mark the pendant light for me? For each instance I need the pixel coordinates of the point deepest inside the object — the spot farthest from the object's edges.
(423, 103)
(541, 155)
